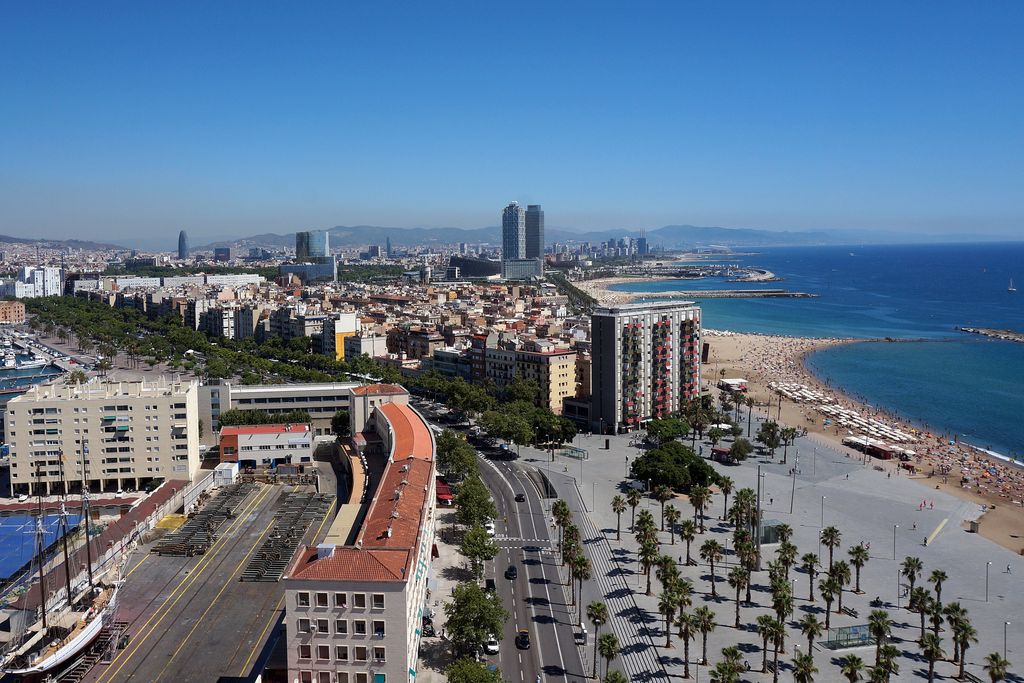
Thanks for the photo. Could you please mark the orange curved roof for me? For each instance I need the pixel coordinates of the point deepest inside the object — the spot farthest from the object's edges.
(411, 434)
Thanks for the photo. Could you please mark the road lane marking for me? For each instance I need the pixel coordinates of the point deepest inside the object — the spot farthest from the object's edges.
(936, 532)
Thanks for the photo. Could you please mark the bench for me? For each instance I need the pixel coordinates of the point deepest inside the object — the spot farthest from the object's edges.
(849, 611)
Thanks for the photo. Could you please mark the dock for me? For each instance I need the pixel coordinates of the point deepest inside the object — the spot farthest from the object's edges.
(698, 294)
(1005, 335)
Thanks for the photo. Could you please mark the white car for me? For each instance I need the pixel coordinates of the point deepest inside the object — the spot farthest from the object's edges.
(490, 529)
(491, 646)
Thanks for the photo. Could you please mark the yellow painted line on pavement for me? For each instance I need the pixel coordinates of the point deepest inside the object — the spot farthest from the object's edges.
(273, 618)
(937, 530)
(144, 558)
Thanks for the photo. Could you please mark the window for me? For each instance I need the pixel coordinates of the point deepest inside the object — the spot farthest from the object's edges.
(360, 654)
(323, 652)
(378, 654)
(378, 629)
(378, 601)
(324, 677)
(341, 627)
(341, 600)
(302, 599)
(323, 626)
(342, 677)
(321, 599)
(305, 651)
(341, 653)
(359, 627)
(302, 626)
(305, 677)
(362, 678)
(359, 600)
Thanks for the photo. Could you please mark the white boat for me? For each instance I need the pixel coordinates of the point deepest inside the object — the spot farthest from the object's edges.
(33, 362)
(1011, 288)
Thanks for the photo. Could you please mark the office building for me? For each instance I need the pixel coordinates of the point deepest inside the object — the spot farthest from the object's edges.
(522, 269)
(129, 433)
(267, 445)
(320, 400)
(222, 254)
(338, 327)
(645, 362)
(319, 245)
(534, 231)
(182, 245)
(302, 246)
(324, 271)
(513, 232)
(354, 604)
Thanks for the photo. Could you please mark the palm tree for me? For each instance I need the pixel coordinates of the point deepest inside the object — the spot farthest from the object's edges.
(828, 589)
(684, 594)
(784, 533)
(618, 507)
(935, 616)
(811, 628)
(803, 668)
(648, 555)
(616, 677)
(996, 667)
(841, 572)
(704, 621)
(888, 667)
(750, 413)
(687, 625)
(786, 555)
(880, 626)
(672, 516)
(766, 625)
(852, 667)
(711, 552)
(858, 558)
(563, 516)
(788, 437)
(809, 563)
(667, 573)
(931, 648)
(608, 647)
(582, 570)
(912, 568)
(830, 538)
(965, 634)
(779, 637)
(667, 604)
(955, 615)
(920, 602)
(738, 578)
(662, 494)
(782, 603)
(597, 613)
(938, 577)
(699, 496)
(688, 532)
(726, 486)
(633, 498)
(729, 668)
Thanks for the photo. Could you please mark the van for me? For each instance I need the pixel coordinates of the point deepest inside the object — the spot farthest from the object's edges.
(490, 586)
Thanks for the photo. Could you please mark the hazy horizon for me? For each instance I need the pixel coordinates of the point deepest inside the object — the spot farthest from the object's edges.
(230, 121)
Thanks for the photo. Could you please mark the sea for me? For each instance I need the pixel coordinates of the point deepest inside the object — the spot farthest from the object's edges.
(962, 385)
(10, 378)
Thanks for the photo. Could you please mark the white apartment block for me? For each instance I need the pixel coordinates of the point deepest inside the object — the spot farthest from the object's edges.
(127, 434)
(266, 445)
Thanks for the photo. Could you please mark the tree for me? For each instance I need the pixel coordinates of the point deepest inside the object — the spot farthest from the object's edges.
(879, 626)
(664, 430)
(563, 517)
(648, 555)
(715, 435)
(766, 626)
(782, 603)
(809, 563)
(828, 589)
(858, 558)
(788, 437)
(477, 547)
(811, 629)
(662, 494)
(920, 602)
(597, 613)
(841, 572)
(786, 555)
(964, 634)
(688, 532)
(740, 450)
(474, 615)
(619, 507)
(728, 669)
(474, 503)
(687, 625)
(608, 647)
(725, 485)
(770, 436)
(704, 620)
(581, 571)
(633, 497)
(996, 667)
(699, 496)
(779, 637)
(931, 648)
(803, 668)
(340, 424)
(667, 604)
(672, 515)
(938, 577)
(852, 667)
(468, 670)
(711, 552)
(455, 457)
(616, 677)
(738, 578)
(830, 538)
(76, 377)
(911, 569)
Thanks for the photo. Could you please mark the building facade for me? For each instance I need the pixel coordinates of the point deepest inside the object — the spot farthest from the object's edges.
(513, 232)
(12, 312)
(321, 401)
(534, 232)
(182, 245)
(645, 362)
(127, 433)
(554, 372)
(266, 445)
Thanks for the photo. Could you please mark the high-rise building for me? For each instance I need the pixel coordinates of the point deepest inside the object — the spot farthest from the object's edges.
(388, 247)
(641, 246)
(319, 245)
(513, 232)
(182, 245)
(534, 231)
(645, 362)
(302, 246)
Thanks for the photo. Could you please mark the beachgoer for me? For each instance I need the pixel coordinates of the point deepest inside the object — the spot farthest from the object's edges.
(1008, 569)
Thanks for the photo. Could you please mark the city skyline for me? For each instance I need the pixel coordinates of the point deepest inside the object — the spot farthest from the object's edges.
(874, 117)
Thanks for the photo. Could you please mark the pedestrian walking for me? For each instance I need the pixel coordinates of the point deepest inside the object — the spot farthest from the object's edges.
(1008, 569)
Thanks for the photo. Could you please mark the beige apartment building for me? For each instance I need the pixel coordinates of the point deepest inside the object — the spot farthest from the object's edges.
(123, 434)
(554, 371)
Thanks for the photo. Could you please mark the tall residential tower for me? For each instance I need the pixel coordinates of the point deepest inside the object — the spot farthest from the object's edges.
(516, 263)
(534, 231)
(182, 245)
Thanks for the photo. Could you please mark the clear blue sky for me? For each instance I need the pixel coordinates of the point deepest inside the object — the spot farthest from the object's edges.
(139, 118)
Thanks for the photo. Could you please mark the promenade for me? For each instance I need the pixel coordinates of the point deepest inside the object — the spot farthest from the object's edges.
(830, 487)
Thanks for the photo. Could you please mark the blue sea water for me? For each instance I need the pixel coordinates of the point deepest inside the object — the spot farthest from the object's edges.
(954, 382)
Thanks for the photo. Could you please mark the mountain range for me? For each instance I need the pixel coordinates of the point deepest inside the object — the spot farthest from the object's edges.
(58, 244)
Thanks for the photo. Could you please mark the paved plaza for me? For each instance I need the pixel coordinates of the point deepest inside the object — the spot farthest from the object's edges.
(830, 486)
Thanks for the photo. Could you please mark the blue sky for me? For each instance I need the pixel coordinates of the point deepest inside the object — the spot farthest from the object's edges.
(234, 118)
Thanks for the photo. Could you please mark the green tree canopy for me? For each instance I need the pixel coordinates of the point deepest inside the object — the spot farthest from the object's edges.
(468, 670)
(474, 616)
(474, 502)
(340, 424)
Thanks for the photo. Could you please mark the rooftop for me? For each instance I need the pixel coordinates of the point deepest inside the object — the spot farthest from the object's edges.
(241, 430)
(378, 390)
(640, 307)
(59, 391)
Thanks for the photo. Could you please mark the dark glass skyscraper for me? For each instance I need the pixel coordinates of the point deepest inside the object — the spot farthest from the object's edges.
(513, 232)
(182, 245)
(534, 231)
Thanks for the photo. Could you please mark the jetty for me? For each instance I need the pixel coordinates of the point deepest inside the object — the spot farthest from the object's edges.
(1005, 335)
(727, 294)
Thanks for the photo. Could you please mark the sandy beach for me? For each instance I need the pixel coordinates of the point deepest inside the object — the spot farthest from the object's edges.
(763, 360)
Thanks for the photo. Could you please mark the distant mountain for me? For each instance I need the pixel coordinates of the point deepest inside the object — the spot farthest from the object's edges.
(58, 244)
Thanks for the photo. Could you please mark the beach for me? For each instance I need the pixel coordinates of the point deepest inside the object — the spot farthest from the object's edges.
(765, 360)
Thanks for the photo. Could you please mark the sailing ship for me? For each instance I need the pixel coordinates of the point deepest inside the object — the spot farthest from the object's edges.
(65, 632)
(1011, 288)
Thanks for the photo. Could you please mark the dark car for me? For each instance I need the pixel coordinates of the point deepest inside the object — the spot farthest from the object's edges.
(511, 572)
(523, 640)
(490, 586)
(520, 497)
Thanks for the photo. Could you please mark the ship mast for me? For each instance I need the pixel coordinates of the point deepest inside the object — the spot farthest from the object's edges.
(85, 513)
(64, 528)
(40, 547)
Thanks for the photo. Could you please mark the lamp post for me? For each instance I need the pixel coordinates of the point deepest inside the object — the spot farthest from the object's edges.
(894, 528)
(823, 512)
(1006, 625)
(897, 588)
(987, 565)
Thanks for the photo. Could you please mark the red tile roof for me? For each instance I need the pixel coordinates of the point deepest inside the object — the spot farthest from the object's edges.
(351, 563)
(378, 390)
(242, 430)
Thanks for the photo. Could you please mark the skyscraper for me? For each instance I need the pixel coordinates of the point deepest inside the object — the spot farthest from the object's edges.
(388, 247)
(302, 246)
(534, 231)
(513, 232)
(319, 245)
(182, 245)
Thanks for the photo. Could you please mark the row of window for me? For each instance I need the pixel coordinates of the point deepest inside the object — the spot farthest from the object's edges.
(302, 599)
(339, 677)
(342, 652)
(341, 627)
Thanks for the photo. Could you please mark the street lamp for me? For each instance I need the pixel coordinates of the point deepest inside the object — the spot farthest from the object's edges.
(894, 528)
(897, 588)
(987, 566)
(823, 512)
(1006, 625)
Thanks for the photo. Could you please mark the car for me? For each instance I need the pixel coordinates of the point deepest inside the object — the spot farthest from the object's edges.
(490, 586)
(523, 639)
(520, 497)
(490, 529)
(512, 572)
(491, 646)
